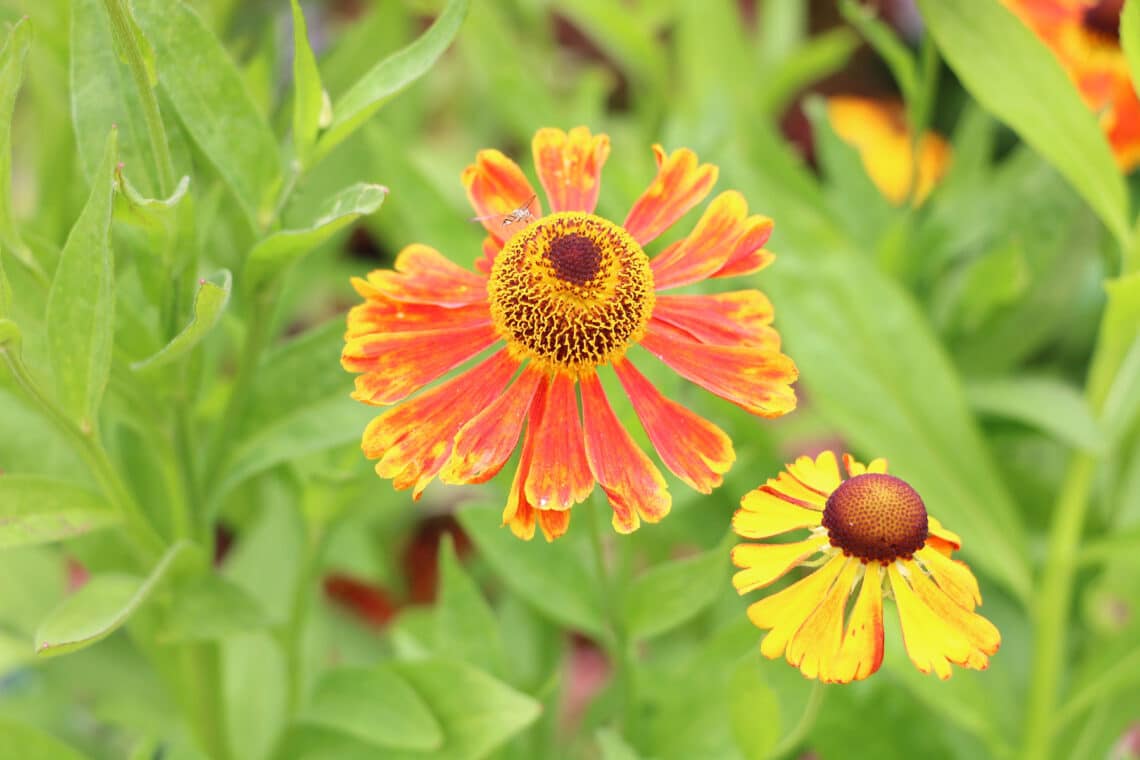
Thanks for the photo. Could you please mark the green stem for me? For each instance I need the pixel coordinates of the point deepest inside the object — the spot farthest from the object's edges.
(202, 687)
(293, 633)
(796, 736)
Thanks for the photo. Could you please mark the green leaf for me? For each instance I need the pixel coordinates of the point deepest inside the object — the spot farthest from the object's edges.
(671, 593)
(986, 284)
(753, 711)
(466, 628)
(1010, 72)
(886, 43)
(274, 253)
(820, 56)
(1119, 330)
(11, 75)
(611, 746)
(30, 743)
(10, 333)
(391, 75)
(376, 705)
(155, 214)
(308, 95)
(312, 363)
(254, 692)
(212, 608)
(209, 303)
(1130, 39)
(36, 510)
(101, 607)
(206, 89)
(549, 576)
(5, 292)
(1049, 405)
(622, 33)
(80, 307)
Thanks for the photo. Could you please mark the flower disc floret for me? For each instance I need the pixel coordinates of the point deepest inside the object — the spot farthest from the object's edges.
(876, 517)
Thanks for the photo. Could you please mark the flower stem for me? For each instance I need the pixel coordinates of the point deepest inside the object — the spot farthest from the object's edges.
(796, 736)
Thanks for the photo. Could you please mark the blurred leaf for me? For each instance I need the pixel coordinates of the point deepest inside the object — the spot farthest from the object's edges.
(100, 607)
(384, 80)
(1122, 403)
(754, 712)
(611, 746)
(1020, 81)
(1119, 329)
(274, 253)
(617, 29)
(80, 308)
(1130, 39)
(308, 96)
(30, 743)
(264, 563)
(5, 293)
(206, 89)
(11, 75)
(36, 510)
(1049, 405)
(133, 207)
(783, 26)
(212, 608)
(375, 705)
(817, 58)
(209, 303)
(311, 361)
(886, 43)
(986, 284)
(466, 628)
(549, 576)
(670, 593)
(254, 692)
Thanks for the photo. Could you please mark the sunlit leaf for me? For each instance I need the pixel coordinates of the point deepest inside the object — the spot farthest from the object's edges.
(308, 96)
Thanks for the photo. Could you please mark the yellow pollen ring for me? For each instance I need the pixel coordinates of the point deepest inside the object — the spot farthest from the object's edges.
(571, 291)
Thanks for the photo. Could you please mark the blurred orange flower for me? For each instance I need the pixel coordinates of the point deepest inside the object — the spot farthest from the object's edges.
(866, 532)
(556, 297)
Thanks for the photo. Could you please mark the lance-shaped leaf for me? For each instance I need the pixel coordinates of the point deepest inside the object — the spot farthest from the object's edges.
(466, 627)
(1047, 404)
(11, 75)
(5, 292)
(36, 510)
(209, 303)
(308, 95)
(31, 743)
(152, 214)
(1130, 39)
(280, 249)
(80, 307)
(672, 592)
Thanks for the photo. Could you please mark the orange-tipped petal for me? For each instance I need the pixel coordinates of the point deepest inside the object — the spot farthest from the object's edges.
(496, 186)
(559, 475)
(726, 319)
(485, 443)
(554, 522)
(725, 237)
(398, 364)
(634, 486)
(681, 184)
(766, 512)
(763, 564)
(569, 167)
(945, 541)
(413, 440)
(815, 645)
(861, 653)
(424, 275)
(694, 449)
(952, 576)
(383, 315)
(785, 611)
(757, 379)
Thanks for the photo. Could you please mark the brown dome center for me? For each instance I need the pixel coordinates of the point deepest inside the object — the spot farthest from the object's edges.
(875, 517)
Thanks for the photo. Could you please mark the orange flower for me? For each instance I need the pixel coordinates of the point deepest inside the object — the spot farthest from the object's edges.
(555, 298)
(864, 532)
(1085, 37)
(878, 131)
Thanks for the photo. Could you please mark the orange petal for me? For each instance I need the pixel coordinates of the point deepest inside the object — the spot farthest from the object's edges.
(486, 442)
(725, 236)
(634, 486)
(738, 318)
(757, 379)
(679, 186)
(570, 167)
(861, 653)
(785, 611)
(815, 645)
(764, 564)
(694, 449)
(765, 512)
(554, 522)
(496, 186)
(518, 514)
(397, 364)
(559, 475)
(413, 440)
(424, 275)
(952, 576)
(945, 541)
(383, 315)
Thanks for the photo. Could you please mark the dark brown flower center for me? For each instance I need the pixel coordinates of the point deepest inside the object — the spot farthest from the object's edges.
(877, 518)
(575, 258)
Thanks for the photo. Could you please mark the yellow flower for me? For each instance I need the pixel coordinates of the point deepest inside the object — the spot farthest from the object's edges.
(868, 532)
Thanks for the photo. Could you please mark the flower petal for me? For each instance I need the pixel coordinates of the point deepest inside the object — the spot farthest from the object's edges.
(786, 610)
(634, 486)
(766, 512)
(861, 653)
(398, 364)
(569, 167)
(820, 475)
(491, 248)
(413, 440)
(380, 314)
(679, 186)
(952, 576)
(559, 475)
(815, 645)
(485, 442)
(424, 275)
(945, 541)
(739, 318)
(725, 237)
(694, 449)
(553, 522)
(496, 186)
(764, 564)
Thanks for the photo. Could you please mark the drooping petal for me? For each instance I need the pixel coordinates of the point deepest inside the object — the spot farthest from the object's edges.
(485, 443)
(766, 512)
(952, 576)
(569, 167)
(413, 440)
(559, 475)
(424, 275)
(496, 186)
(785, 611)
(764, 564)
(861, 653)
(757, 379)
(398, 364)
(553, 522)
(725, 237)
(694, 449)
(945, 541)
(815, 644)
(635, 488)
(383, 315)
(518, 514)
(679, 186)
(982, 635)
(739, 318)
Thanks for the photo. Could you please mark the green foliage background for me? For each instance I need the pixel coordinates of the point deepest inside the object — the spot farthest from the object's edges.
(175, 201)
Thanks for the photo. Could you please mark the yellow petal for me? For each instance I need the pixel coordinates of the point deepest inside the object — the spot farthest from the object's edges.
(861, 653)
(815, 644)
(764, 563)
(784, 612)
(765, 512)
(953, 577)
(821, 475)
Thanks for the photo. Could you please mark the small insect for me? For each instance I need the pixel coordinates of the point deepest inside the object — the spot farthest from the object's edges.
(521, 214)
